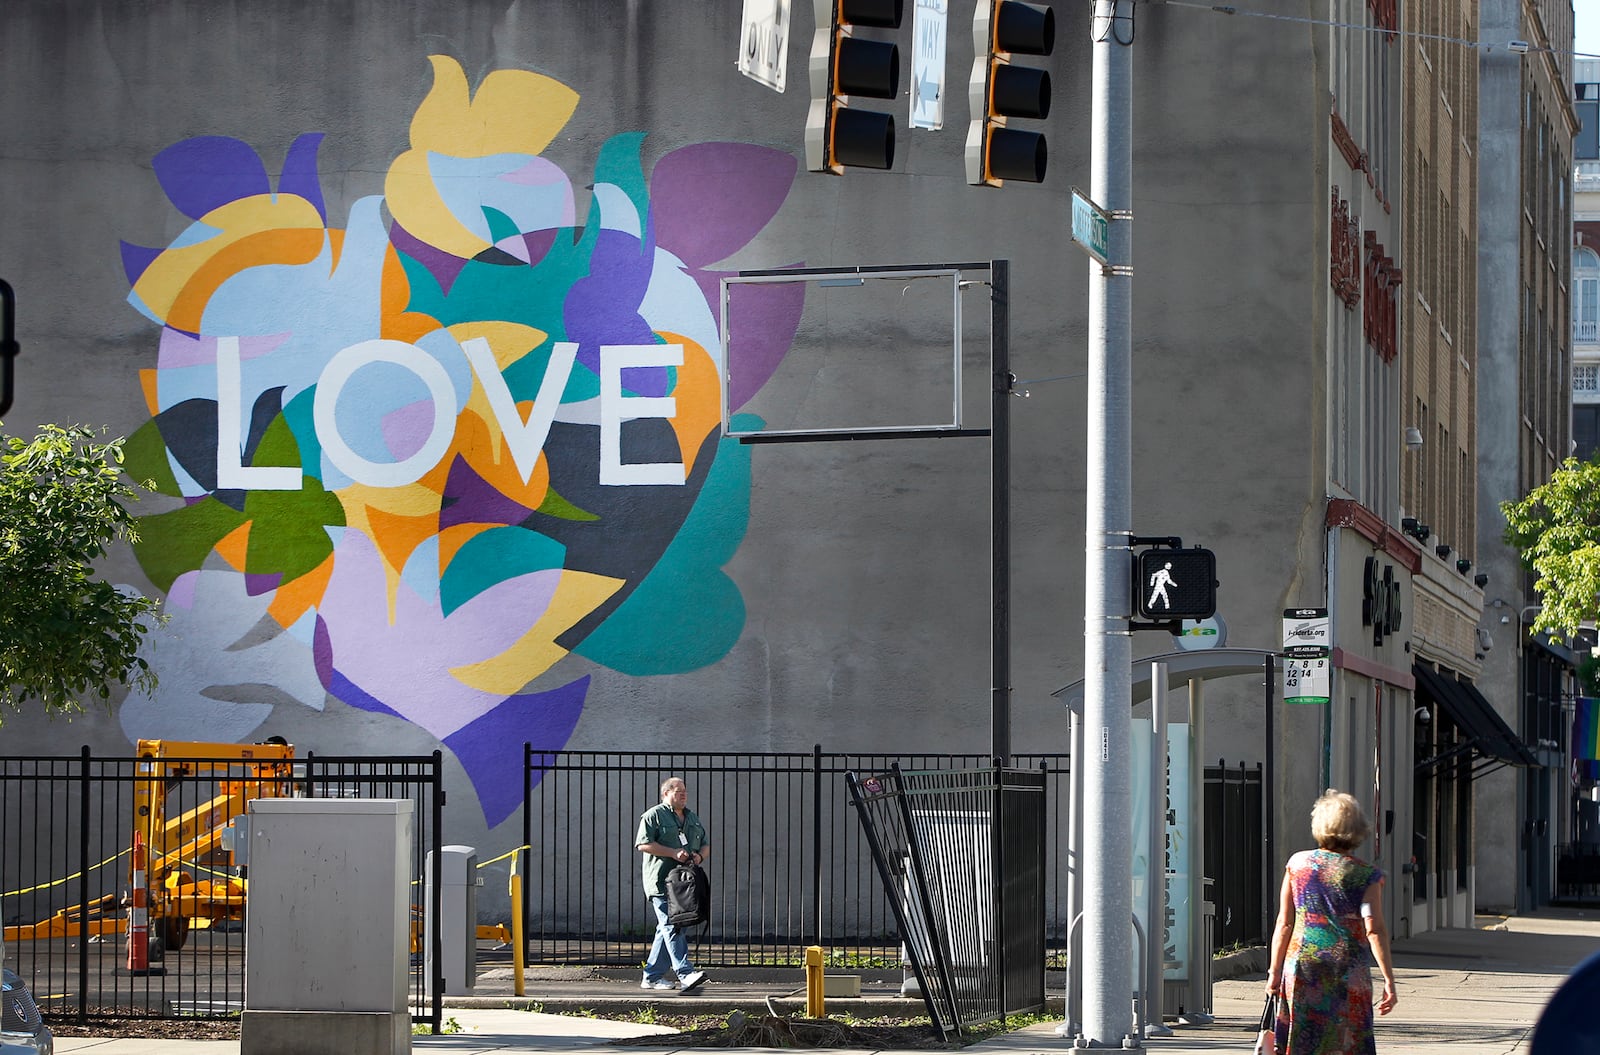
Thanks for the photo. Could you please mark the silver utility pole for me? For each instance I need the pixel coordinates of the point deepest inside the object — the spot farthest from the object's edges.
(1106, 860)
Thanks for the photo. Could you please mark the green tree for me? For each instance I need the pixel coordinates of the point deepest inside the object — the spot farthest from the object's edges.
(65, 634)
(1556, 528)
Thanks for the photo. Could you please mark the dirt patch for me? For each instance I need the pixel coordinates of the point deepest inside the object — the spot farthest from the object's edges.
(767, 1031)
(107, 1022)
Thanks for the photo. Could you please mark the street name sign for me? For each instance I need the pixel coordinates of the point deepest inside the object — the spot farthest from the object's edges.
(1089, 223)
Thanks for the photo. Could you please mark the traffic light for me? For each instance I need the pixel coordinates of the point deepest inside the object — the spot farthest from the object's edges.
(999, 91)
(1175, 584)
(845, 66)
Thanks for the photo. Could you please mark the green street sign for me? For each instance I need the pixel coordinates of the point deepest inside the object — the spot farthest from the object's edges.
(1089, 223)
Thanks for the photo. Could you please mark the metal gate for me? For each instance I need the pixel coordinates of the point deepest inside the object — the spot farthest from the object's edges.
(961, 854)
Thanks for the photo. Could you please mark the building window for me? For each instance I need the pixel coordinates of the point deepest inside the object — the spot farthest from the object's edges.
(1585, 295)
(1585, 430)
(1586, 379)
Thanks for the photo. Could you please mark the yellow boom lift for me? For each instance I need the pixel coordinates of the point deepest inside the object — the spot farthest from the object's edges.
(197, 840)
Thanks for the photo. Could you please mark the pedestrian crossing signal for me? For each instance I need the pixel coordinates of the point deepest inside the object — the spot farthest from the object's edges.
(1174, 584)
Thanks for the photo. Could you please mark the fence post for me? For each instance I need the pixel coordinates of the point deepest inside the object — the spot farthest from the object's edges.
(527, 833)
(437, 907)
(83, 886)
(816, 841)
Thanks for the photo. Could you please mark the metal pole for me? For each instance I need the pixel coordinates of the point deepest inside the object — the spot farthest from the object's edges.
(1155, 938)
(1269, 863)
(1198, 1013)
(1000, 509)
(1108, 648)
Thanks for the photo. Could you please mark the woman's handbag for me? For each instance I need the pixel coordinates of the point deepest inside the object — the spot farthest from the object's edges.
(1267, 1034)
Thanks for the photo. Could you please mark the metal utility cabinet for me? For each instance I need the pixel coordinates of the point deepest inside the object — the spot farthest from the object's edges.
(457, 922)
(327, 941)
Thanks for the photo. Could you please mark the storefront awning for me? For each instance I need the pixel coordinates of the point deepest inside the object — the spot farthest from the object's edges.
(1475, 716)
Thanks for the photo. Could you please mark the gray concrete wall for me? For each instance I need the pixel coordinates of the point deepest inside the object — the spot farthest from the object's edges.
(783, 595)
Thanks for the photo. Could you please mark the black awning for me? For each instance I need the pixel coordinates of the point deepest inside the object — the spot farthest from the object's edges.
(1475, 716)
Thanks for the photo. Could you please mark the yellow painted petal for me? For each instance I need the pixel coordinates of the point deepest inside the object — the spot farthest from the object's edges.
(515, 112)
(171, 274)
(535, 652)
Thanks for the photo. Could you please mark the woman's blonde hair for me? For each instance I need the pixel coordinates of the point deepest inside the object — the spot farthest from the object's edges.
(1338, 822)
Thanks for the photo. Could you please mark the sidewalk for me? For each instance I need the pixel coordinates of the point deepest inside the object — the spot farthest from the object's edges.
(1468, 992)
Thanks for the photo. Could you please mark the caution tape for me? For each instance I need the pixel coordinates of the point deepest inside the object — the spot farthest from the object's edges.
(509, 853)
(64, 879)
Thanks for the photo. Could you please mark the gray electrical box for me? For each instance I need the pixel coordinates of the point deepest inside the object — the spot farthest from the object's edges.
(457, 923)
(327, 935)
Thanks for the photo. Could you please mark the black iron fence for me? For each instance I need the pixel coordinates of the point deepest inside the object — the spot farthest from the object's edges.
(1233, 855)
(789, 865)
(67, 826)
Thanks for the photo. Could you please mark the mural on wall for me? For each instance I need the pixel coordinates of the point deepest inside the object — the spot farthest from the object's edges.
(419, 460)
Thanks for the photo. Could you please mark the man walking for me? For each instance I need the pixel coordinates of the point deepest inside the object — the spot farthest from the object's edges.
(669, 834)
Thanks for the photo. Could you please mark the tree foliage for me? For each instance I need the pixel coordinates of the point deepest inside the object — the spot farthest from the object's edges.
(1556, 528)
(65, 634)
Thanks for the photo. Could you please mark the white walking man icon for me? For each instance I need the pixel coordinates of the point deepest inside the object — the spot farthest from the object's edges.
(1159, 583)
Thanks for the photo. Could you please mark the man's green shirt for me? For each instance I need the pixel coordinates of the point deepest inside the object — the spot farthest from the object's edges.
(659, 824)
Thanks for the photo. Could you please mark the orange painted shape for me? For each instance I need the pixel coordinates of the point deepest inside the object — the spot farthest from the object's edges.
(149, 383)
(699, 398)
(397, 537)
(293, 246)
(294, 598)
(233, 546)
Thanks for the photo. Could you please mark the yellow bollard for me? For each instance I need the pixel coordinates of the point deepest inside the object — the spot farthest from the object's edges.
(518, 953)
(814, 1002)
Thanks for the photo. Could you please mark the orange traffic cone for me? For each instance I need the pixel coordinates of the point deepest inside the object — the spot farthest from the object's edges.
(139, 913)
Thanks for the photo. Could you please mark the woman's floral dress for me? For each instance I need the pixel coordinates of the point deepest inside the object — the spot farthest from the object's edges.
(1327, 1004)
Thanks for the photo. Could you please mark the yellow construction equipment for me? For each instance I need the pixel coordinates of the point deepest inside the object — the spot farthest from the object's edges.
(192, 875)
(192, 841)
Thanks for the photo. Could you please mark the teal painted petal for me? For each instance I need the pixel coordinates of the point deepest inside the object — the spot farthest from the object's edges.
(619, 164)
(493, 557)
(501, 226)
(297, 414)
(687, 613)
(525, 376)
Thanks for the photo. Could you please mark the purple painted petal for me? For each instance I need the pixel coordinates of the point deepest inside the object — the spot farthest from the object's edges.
(257, 584)
(487, 747)
(206, 172)
(135, 258)
(441, 265)
(300, 172)
(347, 691)
(710, 199)
(765, 319)
(469, 499)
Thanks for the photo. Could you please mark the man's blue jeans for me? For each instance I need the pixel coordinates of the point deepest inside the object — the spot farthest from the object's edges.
(670, 945)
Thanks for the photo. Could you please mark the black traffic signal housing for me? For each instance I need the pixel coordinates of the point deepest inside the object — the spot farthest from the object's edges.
(999, 91)
(1172, 584)
(845, 66)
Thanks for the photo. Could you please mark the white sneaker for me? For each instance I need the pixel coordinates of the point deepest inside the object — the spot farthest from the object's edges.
(692, 979)
(656, 983)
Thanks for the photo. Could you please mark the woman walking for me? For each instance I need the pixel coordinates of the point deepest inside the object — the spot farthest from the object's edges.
(1330, 912)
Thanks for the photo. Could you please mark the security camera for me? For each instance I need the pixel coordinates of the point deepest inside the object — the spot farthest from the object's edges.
(1485, 642)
